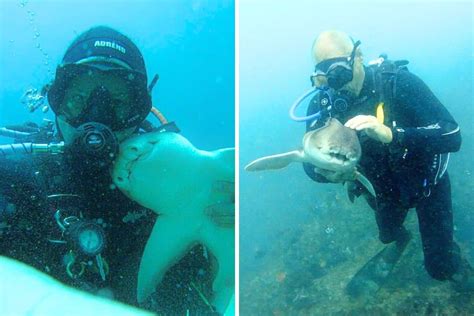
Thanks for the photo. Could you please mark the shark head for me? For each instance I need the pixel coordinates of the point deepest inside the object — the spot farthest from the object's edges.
(332, 147)
(192, 190)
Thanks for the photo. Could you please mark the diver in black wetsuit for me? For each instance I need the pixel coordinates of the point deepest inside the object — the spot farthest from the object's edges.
(406, 136)
(59, 210)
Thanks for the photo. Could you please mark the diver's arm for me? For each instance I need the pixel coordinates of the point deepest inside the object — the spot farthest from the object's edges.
(434, 129)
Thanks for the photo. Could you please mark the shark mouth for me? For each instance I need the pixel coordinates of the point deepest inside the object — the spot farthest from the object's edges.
(340, 156)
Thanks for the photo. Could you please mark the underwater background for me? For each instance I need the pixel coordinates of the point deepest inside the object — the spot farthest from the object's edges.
(300, 241)
(189, 43)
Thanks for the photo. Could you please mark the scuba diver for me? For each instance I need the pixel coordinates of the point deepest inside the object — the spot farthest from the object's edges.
(406, 136)
(59, 209)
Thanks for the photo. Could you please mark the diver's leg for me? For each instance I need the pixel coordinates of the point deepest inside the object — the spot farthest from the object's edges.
(374, 273)
(390, 217)
(435, 218)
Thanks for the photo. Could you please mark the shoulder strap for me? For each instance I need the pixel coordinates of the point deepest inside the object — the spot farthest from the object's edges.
(385, 72)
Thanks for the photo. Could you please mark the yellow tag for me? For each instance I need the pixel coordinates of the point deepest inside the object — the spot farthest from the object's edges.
(380, 114)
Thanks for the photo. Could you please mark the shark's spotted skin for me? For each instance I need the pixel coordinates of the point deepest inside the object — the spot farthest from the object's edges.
(193, 192)
(332, 147)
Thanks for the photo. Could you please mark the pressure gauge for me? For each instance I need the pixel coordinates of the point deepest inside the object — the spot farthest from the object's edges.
(88, 237)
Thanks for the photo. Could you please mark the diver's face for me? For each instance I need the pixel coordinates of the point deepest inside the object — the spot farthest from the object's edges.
(115, 97)
(105, 97)
(97, 96)
(354, 86)
(75, 104)
(339, 64)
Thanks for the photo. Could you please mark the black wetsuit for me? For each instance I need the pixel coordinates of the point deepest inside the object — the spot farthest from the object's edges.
(411, 170)
(25, 184)
(28, 230)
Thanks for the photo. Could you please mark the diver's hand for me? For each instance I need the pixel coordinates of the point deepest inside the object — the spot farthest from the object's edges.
(372, 127)
(337, 177)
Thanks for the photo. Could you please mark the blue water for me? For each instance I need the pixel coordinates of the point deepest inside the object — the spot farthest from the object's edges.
(275, 64)
(190, 44)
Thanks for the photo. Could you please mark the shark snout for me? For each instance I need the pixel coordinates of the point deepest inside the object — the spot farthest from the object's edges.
(332, 148)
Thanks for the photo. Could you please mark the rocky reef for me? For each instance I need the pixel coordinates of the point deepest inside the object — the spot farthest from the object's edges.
(307, 273)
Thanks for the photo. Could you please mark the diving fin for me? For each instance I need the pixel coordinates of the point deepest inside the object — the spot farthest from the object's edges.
(371, 277)
(463, 279)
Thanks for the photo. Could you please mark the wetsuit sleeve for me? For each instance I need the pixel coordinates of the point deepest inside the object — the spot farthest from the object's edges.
(309, 168)
(430, 127)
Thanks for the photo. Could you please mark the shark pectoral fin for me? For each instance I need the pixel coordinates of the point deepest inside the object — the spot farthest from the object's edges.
(366, 183)
(220, 242)
(169, 241)
(278, 161)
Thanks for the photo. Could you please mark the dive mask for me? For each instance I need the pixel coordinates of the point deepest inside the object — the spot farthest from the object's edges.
(338, 71)
(117, 97)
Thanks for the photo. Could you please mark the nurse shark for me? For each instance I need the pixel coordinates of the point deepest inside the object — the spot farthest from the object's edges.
(192, 191)
(333, 147)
